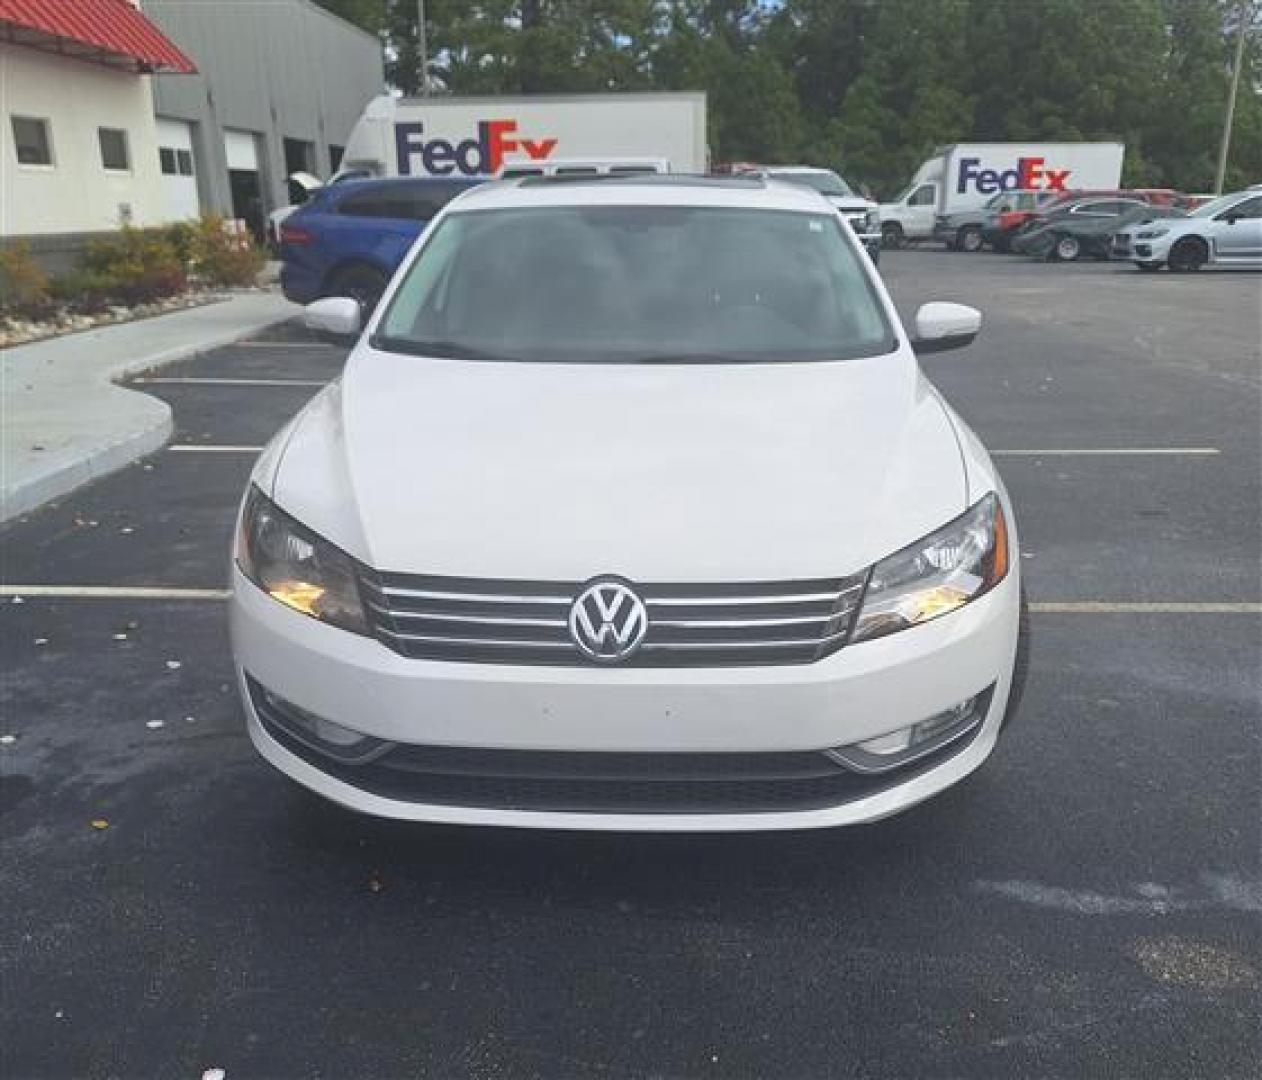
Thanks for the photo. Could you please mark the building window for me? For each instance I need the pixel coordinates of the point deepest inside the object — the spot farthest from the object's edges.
(32, 141)
(175, 162)
(299, 156)
(114, 148)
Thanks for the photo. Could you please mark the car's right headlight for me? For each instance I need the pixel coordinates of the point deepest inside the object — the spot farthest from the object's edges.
(940, 573)
(296, 567)
(1152, 234)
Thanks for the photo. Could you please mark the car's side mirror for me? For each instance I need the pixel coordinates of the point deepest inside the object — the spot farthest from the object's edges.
(941, 326)
(335, 318)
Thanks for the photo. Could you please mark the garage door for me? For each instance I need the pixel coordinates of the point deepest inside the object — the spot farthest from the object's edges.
(179, 179)
(241, 150)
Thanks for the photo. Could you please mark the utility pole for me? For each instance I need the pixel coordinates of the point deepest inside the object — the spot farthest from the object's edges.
(422, 48)
(1225, 145)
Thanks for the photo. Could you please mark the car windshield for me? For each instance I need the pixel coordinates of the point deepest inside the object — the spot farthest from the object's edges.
(1215, 206)
(627, 284)
(826, 183)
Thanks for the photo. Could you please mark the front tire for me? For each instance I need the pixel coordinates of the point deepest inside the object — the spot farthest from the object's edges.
(969, 239)
(1066, 249)
(892, 235)
(1188, 255)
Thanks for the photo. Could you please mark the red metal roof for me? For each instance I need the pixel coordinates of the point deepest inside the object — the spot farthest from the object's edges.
(109, 32)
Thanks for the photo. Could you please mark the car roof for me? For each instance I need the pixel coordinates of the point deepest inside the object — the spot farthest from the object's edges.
(347, 187)
(669, 189)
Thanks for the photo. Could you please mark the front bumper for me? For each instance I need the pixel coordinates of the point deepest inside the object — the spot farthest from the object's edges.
(857, 694)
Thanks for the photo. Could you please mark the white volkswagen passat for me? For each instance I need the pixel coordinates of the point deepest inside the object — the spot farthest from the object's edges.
(631, 510)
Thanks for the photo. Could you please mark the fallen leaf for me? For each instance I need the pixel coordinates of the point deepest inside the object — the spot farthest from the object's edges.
(100, 823)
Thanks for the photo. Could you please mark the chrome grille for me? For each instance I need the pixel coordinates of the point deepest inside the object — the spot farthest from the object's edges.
(476, 620)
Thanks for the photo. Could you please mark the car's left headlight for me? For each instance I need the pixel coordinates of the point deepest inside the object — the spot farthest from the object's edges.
(938, 574)
(295, 566)
(1152, 234)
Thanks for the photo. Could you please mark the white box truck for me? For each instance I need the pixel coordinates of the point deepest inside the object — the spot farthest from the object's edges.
(965, 175)
(481, 136)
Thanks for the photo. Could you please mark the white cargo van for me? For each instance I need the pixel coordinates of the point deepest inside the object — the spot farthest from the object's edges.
(487, 136)
(965, 175)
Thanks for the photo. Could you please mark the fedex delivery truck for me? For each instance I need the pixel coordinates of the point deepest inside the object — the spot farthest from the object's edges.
(964, 176)
(483, 136)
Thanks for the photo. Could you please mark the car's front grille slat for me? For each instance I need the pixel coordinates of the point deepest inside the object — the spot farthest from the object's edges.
(493, 621)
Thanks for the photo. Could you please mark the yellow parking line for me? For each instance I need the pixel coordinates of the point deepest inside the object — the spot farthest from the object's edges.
(1160, 607)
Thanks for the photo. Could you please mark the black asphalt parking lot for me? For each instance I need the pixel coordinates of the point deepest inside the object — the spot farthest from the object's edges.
(1086, 905)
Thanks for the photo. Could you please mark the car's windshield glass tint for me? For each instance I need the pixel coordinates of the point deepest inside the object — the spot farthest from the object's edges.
(1215, 206)
(825, 183)
(637, 284)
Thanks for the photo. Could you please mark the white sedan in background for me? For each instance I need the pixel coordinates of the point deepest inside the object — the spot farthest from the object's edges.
(1224, 232)
(632, 510)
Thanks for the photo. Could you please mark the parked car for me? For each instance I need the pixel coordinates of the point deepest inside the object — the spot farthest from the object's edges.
(1042, 235)
(863, 214)
(1224, 232)
(1121, 244)
(577, 541)
(971, 230)
(1075, 236)
(1011, 226)
(349, 237)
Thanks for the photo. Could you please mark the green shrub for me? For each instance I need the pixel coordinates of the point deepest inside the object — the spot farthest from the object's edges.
(134, 266)
(219, 257)
(24, 287)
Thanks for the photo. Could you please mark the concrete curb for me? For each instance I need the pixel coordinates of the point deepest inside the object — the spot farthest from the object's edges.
(70, 383)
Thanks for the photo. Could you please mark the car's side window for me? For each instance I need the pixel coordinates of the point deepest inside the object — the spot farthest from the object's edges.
(1249, 209)
(922, 196)
(375, 204)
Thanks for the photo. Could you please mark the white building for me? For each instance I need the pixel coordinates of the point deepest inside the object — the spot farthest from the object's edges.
(78, 139)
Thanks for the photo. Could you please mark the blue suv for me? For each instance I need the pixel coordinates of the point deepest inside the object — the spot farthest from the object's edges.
(350, 237)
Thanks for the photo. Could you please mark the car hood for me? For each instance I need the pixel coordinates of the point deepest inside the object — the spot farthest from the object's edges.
(659, 473)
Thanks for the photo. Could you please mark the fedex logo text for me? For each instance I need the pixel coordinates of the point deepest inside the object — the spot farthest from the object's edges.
(481, 156)
(1029, 174)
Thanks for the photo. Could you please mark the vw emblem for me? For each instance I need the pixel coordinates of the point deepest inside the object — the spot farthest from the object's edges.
(608, 621)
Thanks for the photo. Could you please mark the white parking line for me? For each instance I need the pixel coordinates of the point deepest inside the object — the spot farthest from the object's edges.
(1126, 451)
(1113, 451)
(1044, 607)
(195, 448)
(281, 345)
(171, 381)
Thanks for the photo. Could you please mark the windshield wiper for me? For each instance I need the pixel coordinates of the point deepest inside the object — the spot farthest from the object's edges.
(439, 350)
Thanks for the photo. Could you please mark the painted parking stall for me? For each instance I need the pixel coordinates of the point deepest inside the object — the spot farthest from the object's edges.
(940, 942)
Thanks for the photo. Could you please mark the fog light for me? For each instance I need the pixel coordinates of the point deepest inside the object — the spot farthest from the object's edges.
(908, 744)
(313, 731)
